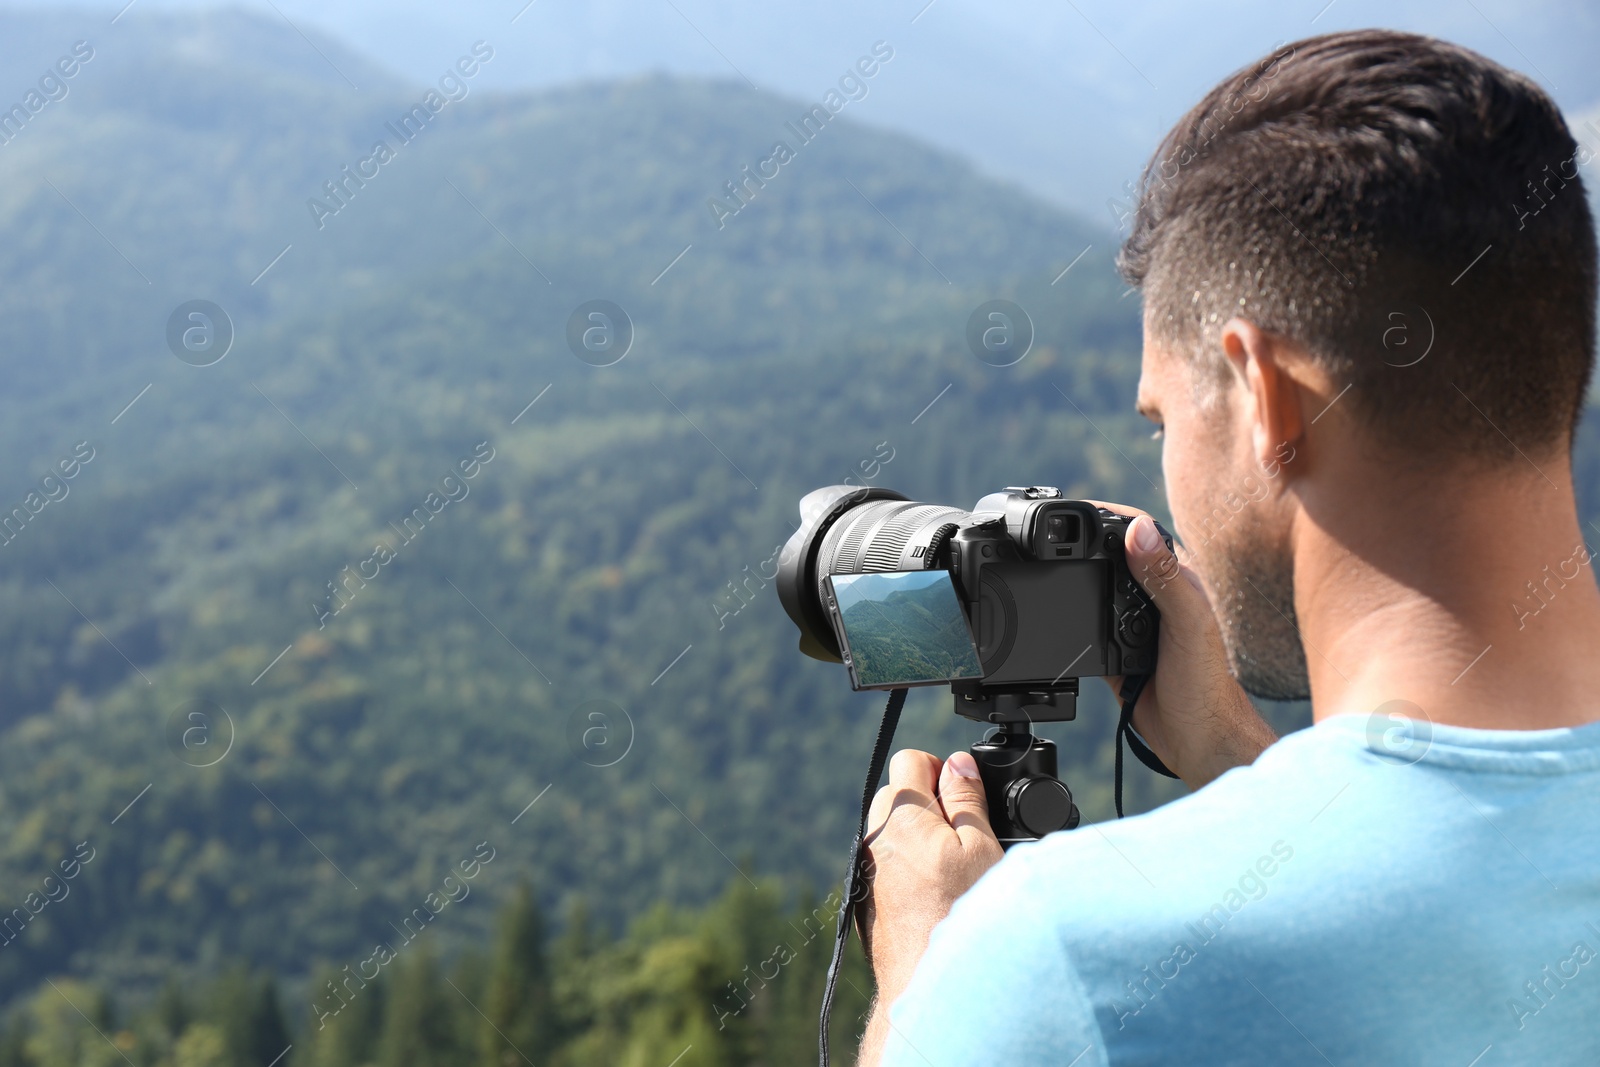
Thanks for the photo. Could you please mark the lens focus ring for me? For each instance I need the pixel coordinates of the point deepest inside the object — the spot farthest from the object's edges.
(874, 536)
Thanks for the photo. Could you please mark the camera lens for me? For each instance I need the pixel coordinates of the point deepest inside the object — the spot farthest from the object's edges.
(847, 530)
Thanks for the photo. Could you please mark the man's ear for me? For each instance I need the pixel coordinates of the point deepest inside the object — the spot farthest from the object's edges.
(1267, 364)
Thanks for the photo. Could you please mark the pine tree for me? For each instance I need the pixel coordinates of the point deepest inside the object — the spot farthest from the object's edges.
(247, 1012)
(343, 1033)
(419, 1019)
(573, 966)
(519, 1008)
(268, 1038)
(228, 1011)
(172, 1010)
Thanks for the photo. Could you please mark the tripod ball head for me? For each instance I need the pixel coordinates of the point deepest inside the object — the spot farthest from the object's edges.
(1026, 799)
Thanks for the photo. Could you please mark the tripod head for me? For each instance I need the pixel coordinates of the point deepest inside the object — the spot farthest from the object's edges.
(1018, 769)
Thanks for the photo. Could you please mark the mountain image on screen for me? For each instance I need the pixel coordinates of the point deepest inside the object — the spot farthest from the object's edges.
(906, 627)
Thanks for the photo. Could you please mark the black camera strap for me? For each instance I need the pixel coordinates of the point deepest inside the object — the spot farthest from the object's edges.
(1132, 686)
(855, 885)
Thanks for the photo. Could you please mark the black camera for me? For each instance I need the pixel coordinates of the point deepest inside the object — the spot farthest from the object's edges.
(1011, 604)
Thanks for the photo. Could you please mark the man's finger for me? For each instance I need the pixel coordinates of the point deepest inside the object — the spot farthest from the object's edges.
(1119, 509)
(913, 776)
(1174, 587)
(878, 814)
(911, 769)
(962, 798)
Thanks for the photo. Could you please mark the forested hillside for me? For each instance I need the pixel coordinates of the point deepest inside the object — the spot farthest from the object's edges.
(218, 554)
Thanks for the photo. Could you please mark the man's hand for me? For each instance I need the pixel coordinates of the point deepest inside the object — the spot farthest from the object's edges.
(928, 840)
(1192, 713)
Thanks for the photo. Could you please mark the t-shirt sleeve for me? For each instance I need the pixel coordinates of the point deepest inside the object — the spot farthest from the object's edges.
(995, 987)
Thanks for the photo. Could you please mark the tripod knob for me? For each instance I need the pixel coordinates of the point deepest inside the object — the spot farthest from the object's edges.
(1041, 806)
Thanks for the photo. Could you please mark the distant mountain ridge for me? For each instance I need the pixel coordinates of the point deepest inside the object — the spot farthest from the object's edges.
(186, 159)
(144, 41)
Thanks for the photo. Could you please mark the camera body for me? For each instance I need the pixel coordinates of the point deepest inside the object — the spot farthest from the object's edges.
(1047, 588)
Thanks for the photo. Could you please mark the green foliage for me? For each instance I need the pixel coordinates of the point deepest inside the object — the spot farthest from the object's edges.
(736, 983)
(351, 1035)
(519, 1007)
(419, 1023)
(64, 1026)
(202, 1045)
(254, 1032)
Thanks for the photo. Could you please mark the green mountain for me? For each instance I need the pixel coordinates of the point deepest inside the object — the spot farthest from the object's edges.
(906, 634)
(402, 581)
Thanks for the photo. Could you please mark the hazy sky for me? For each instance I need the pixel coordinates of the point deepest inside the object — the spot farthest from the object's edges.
(1066, 97)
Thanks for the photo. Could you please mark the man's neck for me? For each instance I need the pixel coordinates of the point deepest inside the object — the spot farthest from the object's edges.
(1479, 606)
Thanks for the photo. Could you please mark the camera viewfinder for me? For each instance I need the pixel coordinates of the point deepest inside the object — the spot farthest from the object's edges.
(1062, 530)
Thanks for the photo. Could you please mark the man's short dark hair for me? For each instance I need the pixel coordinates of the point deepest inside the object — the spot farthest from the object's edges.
(1365, 194)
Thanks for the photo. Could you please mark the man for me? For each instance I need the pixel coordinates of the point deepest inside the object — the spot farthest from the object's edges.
(1368, 269)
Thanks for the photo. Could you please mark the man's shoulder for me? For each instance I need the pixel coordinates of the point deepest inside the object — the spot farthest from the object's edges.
(1337, 803)
(1293, 777)
(1241, 827)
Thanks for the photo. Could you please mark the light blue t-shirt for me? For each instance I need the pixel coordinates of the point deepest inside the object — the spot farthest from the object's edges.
(1357, 896)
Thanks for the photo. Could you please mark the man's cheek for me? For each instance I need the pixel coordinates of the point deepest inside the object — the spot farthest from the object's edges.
(1180, 489)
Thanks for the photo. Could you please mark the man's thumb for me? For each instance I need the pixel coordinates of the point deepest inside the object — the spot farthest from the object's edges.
(1154, 566)
(962, 797)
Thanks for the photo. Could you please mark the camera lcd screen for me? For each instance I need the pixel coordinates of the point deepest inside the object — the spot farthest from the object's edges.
(902, 628)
